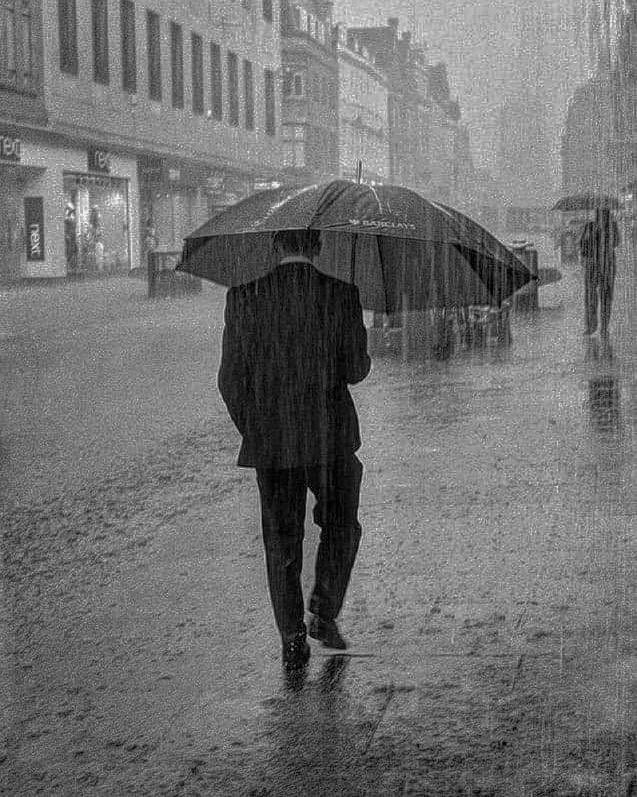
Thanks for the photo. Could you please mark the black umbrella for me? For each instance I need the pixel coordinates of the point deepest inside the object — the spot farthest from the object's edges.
(393, 243)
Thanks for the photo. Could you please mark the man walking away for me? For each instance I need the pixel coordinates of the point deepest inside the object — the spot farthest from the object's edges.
(293, 341)
(597, 246)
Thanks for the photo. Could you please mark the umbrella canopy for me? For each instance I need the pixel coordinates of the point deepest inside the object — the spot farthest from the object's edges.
(393, 243)
(586, 202)
(496, 265)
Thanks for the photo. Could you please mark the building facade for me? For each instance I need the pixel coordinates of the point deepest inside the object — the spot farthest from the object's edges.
(428, 146)
(599, 138)
(623, 68)
(134, 124)
(22, 172)
(309, 91)
(362, 103)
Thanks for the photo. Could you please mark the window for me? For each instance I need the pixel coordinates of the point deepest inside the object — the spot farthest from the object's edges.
(216, 82)
(196, 46)
(67, 23)
(288, 81)
(129, 54)
(233, 88)
(153, 43)
(100, 41)
(248, 94)
(298, 85)
(26, 28)
(177, 64)
(270, 115)
(16, 45)
(8, 45)
(267, 10)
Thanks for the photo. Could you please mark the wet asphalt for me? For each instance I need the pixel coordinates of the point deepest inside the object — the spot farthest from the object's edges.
(491, 605)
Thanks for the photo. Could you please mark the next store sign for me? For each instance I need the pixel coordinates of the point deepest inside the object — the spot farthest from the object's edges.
(34, 224)
(99, 160)
(9, 147)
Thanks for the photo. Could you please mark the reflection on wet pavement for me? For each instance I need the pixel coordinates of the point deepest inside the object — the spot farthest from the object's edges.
(604, 401)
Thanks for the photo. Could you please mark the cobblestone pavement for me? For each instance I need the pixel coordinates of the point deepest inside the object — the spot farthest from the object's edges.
(493, 590)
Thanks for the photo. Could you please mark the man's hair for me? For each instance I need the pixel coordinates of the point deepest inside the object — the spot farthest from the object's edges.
(298, 242)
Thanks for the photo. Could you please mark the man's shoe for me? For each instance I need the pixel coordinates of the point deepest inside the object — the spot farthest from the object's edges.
(326, 631)
(295, 653)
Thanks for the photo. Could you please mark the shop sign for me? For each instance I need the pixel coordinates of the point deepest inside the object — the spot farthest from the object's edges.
(9, 148)
(83, 180)
(99, 160)
(34, 226)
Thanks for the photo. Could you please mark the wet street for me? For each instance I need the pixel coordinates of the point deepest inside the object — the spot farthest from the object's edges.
(492, 602)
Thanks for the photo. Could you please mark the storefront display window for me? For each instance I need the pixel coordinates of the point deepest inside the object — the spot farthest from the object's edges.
(96, 224)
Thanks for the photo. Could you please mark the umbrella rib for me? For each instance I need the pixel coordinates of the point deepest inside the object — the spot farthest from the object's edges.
(376, 197)
(382, 272)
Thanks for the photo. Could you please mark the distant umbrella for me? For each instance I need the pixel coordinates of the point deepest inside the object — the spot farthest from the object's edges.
(586, 202)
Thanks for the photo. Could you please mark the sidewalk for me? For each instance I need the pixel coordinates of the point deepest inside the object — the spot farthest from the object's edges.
(493, 590)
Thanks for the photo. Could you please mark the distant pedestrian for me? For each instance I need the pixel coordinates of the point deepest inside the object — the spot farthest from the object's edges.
(598, 242)
(567, 242)
(150, 237)
(293, 341)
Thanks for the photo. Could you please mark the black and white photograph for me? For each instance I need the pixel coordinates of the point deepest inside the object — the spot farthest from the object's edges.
(318, 325)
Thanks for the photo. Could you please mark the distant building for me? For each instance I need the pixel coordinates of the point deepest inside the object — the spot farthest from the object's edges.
(624, 81)
(363, 123)
(587, 164)
(524, 162)
(310, 91)
(424, 132)
(530, 109)
(599, 139)
(124, 120)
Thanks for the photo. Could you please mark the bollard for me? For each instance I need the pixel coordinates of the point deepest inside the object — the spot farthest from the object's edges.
(151, 269)
(527, 297)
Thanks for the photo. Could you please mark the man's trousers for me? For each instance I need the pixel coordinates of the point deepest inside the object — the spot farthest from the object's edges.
(283, 494)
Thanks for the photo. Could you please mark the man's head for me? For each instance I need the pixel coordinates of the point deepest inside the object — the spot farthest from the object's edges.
(306, 243)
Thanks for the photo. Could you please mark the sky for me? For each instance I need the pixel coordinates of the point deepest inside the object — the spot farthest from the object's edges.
(494, 50)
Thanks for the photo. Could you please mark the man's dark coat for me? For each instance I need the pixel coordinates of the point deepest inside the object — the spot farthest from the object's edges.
(292, 342)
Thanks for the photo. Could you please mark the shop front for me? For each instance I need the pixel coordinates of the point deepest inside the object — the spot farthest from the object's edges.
(177, 197)
(96, 218)
(96, 224)
(172, 204)
(65, 209)
(21, 222)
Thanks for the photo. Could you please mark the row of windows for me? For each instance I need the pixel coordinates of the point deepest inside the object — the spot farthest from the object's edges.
(99, 20)
(16, 45)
